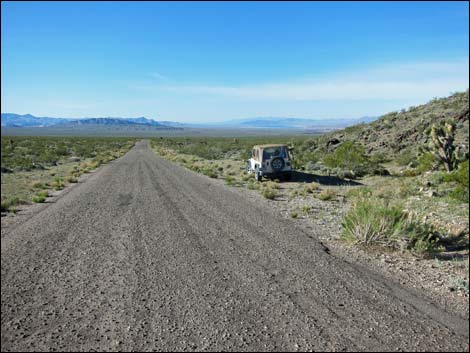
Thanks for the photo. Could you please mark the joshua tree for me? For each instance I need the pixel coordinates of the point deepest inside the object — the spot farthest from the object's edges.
(441, 144)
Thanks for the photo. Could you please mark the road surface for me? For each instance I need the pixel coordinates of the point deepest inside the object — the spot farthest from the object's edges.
(146, 255)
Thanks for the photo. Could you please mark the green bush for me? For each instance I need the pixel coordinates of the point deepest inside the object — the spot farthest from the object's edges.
(461, 174)
(379, 158)
(461, 178)
(7, 204)
(350, 161)
(426, 162)
(374, 221)
(58, 184)
(347, 156)
(209, 172)
(269, 193)
(406, 157)
(40, 197)
(229, 180)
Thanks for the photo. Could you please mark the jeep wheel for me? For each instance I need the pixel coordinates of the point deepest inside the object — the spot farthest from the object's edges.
(258, 176)
(277, 164)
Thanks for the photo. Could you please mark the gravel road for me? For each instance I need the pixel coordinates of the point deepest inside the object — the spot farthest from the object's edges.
(146, 255)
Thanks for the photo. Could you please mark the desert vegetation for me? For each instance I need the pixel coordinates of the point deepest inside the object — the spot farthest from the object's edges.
(404, 177)
(31, 166)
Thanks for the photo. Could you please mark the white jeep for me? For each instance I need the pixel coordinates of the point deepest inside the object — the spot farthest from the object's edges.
(271, 161)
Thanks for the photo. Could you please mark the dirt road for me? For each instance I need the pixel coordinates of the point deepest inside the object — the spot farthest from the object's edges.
(146, 255)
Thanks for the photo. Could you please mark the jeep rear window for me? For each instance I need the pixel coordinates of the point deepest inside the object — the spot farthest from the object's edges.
(272, 152)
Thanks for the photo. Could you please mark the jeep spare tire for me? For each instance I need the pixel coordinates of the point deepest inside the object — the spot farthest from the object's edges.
(277, 164)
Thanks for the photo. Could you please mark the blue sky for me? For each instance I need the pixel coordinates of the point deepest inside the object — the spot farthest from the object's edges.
(214, 61)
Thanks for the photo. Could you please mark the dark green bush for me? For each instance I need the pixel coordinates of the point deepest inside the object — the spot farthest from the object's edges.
(461, 178)
(347, 156)
(426, 162)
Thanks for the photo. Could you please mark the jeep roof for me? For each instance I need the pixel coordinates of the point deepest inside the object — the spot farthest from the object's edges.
(270, 145)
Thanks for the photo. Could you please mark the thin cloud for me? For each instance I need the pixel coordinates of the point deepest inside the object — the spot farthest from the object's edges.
(401, 81)
(158, 76)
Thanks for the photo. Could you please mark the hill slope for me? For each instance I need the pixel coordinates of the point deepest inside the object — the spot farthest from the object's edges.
(405, 130)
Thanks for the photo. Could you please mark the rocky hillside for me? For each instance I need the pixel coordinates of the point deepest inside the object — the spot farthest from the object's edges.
(405, 130)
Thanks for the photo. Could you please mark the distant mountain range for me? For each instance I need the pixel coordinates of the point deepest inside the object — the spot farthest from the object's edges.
(296, 123)
(28, 120)
(116, 121)
(278, 123)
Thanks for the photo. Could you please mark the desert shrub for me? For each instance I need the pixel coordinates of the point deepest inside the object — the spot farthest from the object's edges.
(379, 157)
(38, 185)
(272, 185)
(304, 159)
(347, 156)
(269, 193)
(326, 195)
(374, 221)
(359, 192)
(71, 179)
(438, 178)
(350, 159)
(232, 181)
(28, 153)
(410, 173)
(460, 284)
(294, 214)
(229, 180)
(461, 179)
(460, 175)
(376, 169)
(426, 162)
(58, 184)
(246, 177)
(295, 193)
(311, 188)
(406, 158)
(40, 197)
(209, 172)
(8, 203)
(406, 188)
(253, 185)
